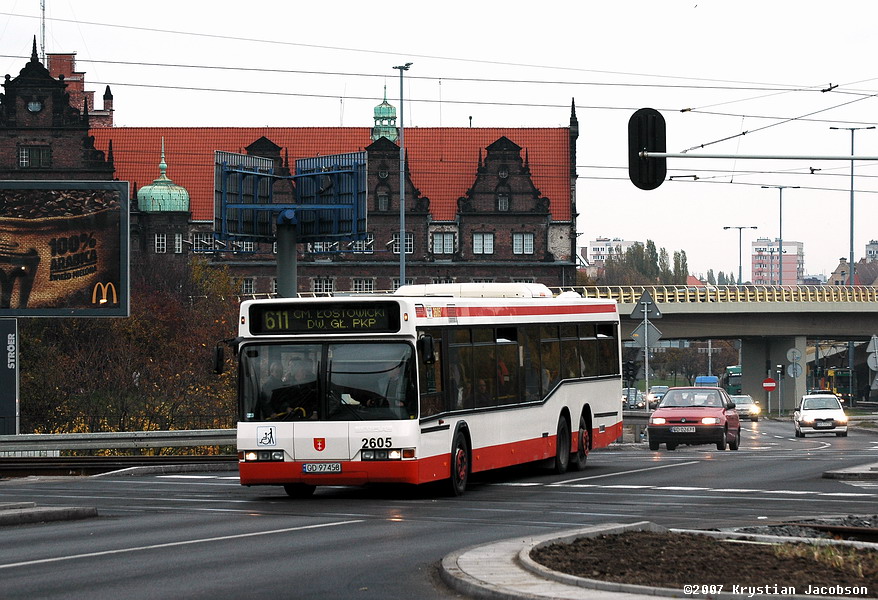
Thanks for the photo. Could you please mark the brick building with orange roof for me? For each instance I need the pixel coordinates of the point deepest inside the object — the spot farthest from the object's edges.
(482, 204)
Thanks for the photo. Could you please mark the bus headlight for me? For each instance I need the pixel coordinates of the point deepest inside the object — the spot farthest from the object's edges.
(263, 456)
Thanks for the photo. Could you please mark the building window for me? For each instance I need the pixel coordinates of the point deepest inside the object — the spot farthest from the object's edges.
(364, 285)
(246, 246)
(366, 246)
(322, 285)
(522, 243)
(503, 202)
(274, 248)
(395, 282)
(483, 243)
(248, 285)
(202, 242)
(178, 243)
(274, 285)
(383, 201)
(160, 243)
(34, 157)
(443, 243)
(409, 243)
(483, 280)
(522, 280)
(443, 280)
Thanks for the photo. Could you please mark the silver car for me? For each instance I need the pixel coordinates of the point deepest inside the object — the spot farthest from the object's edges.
(746, 406)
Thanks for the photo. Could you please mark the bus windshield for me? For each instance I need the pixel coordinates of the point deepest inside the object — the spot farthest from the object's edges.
(327, 382)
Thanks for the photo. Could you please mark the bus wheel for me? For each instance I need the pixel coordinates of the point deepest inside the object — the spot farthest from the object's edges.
(562, 446)
(299, 490)
(578, 458)
(459, 464)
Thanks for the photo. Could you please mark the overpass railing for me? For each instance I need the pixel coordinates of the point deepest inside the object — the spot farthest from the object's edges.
(729, 293)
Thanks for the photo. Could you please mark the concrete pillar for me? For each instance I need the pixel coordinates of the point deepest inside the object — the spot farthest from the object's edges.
(760, 358)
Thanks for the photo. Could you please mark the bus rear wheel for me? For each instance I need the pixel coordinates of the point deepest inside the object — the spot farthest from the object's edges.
(562, 446)
(578, 458)
(299, 490)
(460, 466)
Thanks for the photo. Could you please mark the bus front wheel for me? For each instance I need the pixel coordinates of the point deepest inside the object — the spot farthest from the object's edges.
(459, 465)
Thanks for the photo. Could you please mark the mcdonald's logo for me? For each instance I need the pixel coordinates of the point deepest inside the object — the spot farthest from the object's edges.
(105, 290)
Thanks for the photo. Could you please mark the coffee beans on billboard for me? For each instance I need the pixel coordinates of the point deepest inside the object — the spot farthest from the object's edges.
(41, 204)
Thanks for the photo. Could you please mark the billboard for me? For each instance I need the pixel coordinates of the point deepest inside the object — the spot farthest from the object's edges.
(64, 249)
(329, 204)
(9, 378)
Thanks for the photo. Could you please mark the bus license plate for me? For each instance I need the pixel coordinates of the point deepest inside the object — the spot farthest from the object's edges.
(683, 429)
(321, 467)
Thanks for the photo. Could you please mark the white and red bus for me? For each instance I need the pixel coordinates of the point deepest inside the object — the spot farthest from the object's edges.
(431, 383)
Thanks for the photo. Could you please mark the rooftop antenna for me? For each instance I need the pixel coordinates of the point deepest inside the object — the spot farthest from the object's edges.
(43, 32)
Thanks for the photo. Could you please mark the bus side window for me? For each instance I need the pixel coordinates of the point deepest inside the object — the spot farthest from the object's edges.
(430, 376)
(460, 392)
(530, 362)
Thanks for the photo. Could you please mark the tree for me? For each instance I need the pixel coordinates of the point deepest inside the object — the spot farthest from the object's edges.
(640, 265)
(151, 370)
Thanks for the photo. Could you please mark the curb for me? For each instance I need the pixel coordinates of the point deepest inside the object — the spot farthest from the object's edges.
(504, 570)
(29, 512)
(860, 472)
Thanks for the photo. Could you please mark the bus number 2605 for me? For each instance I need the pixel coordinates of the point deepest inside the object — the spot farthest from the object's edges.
(377, 442)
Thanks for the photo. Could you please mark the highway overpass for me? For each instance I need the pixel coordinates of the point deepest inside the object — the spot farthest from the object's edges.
(769, 321)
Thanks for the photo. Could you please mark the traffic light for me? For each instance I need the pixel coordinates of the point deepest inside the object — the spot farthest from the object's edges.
(629, 370)
(646, 132)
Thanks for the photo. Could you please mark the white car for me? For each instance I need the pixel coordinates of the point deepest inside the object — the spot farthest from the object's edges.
(820, 413)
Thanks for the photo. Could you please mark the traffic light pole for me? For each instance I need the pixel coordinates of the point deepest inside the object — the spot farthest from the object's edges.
(646, 353)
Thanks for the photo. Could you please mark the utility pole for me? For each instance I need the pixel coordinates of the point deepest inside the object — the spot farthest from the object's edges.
(402, 70)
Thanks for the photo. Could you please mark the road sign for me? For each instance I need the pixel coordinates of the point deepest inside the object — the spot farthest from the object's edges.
(645, 307)
(793, 355)
(769, 384)
(646, 337)
(872, 361)
(873, 344)
(794, 370)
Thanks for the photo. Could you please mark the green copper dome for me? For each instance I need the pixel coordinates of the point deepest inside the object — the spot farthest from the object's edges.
(385, 121)
(163, 195)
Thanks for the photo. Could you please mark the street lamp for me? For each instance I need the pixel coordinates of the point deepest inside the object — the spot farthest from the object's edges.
(780, 188)
(402, 69)
(739, 228)
(851, 257)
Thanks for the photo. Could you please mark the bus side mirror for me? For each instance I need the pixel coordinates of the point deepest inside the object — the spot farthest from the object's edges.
(426, 349)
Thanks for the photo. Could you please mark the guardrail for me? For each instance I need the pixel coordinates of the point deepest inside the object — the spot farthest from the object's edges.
(729, 293)
(38, 442)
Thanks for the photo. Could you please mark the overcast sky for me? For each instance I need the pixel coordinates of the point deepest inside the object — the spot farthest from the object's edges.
(732, 66)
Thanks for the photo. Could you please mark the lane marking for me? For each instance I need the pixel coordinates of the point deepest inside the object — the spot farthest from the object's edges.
(42, 561)
(683, 464)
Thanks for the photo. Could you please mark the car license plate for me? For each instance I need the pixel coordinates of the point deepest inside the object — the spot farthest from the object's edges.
(822, 424)
(321, 467)
(683, 429)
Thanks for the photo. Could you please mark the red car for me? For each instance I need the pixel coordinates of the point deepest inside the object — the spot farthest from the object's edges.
(695, 415)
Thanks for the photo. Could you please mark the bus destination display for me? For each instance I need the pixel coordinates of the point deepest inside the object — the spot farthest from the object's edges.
(330, 317)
